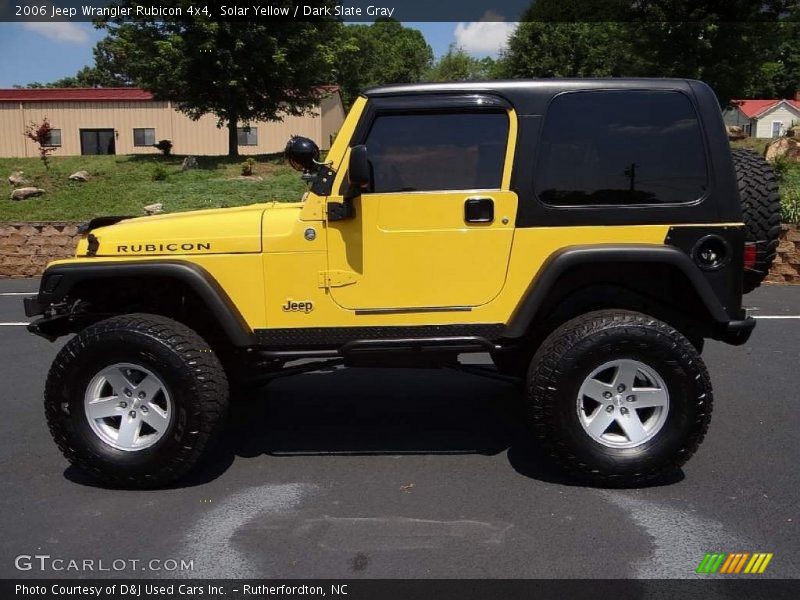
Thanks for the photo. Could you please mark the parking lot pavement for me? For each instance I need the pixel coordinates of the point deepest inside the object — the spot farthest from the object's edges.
(413, 473)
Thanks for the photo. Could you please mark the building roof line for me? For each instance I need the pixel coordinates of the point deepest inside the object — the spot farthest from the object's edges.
(109, 94)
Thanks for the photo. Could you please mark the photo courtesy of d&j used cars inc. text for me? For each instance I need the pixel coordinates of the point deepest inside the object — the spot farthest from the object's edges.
(381, 300)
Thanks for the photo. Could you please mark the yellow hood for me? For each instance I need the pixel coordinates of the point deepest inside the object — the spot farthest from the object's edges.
(213, 231)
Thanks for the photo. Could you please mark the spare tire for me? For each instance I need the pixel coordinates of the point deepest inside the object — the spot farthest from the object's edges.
(761, 212)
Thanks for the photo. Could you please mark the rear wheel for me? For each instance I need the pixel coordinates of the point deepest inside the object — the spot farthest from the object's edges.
(618, 398)
(761, 212)
(135, 400)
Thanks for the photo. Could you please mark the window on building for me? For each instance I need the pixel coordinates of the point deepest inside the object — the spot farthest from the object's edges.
(144, 136)
(621, 147)
(419, 152)
(54, 139)
(248, 136)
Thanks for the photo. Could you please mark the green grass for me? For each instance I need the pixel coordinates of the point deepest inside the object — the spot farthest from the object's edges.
(122, 185)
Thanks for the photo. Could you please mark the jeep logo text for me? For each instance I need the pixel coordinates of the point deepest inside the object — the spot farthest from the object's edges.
(294, 306)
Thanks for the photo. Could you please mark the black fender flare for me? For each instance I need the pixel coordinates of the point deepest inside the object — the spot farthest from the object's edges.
(562, 261)
(59, 280)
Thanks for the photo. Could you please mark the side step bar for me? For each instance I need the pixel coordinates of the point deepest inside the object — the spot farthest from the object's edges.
(404, 346)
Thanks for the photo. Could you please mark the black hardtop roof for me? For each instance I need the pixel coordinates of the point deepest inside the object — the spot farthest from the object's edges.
(531, 96)
(520, 86)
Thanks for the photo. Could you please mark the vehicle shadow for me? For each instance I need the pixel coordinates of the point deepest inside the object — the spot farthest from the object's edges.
(380, 412)
(391, 412)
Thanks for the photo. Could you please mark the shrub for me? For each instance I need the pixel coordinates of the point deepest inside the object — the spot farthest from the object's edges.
(790, 206)
(159, 173)
(248, 167)
(165, 146)
(782, 165)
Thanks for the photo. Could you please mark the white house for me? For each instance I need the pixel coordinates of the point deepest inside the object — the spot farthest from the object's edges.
(764, 118)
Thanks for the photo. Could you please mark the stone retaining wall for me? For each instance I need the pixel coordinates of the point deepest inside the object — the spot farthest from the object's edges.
(786, 268)
(26, 248)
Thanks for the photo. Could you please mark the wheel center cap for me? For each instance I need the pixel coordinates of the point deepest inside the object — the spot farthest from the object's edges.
(619, 400)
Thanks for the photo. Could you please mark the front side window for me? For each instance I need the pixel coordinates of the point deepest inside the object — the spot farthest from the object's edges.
(144, 137)
(423, 152)
(621, 148)
(248, 136)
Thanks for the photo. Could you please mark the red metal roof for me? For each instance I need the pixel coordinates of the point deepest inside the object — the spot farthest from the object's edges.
(753, 108)
(75, 95)
(121, 94)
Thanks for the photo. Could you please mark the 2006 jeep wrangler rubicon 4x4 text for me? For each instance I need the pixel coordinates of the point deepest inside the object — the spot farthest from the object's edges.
(588, 234)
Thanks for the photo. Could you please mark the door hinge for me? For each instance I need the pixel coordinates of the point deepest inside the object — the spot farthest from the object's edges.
(329, 279)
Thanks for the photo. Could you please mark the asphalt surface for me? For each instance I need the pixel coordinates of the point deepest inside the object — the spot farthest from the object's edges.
(411, 474)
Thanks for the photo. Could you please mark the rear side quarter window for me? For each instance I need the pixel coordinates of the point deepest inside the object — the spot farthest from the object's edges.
(621, 148)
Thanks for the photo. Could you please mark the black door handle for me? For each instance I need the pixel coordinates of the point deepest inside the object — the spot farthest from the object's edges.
(479, 210)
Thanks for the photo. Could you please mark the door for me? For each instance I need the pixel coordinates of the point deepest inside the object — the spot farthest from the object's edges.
(435, 230)
(97, 141)
(777, 126)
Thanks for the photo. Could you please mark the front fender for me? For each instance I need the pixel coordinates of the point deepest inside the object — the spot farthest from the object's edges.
(59, 280)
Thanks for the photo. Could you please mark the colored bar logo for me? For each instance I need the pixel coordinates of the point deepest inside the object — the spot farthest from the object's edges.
(735, 563)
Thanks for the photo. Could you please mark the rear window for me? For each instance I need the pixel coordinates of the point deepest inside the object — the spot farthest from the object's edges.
(423, 152)
(621, 148)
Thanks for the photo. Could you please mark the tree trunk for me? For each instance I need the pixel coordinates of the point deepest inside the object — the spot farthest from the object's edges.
(233, 137)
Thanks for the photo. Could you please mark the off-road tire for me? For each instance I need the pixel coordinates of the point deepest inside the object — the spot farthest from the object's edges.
(761, 211)
(569, 355)
(186, 364)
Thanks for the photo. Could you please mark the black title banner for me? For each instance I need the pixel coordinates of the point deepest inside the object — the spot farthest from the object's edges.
(257, 10)
(401, 10)
(387, 589)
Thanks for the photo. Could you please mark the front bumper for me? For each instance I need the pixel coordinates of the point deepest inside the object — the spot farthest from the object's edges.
(33, 307)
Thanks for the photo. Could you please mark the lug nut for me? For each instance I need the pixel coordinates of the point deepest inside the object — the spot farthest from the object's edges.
(128, 393)
(142, 395)
(610, 409)
(631, 398)
(621, 388)
(132, 414)
(144, 410)
(123, 404)
(623, 410)
(607, 395)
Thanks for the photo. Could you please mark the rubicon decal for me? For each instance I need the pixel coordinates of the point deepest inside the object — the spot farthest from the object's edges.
(161, 248)
(744, 563)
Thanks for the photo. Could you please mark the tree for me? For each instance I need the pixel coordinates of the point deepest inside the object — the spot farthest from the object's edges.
(240, 71)
(739, 47)
(457, 65)
(377, 54)
(40, 133)
(540, 49)
(734, 46)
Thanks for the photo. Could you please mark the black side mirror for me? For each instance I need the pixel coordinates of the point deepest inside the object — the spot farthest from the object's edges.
(302, 154)
(359, 172)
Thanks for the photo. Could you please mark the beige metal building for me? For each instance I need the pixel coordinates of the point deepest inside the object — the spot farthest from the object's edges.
(129, 121)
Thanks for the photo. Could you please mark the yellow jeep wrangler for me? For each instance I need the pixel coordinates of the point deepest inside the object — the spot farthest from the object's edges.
(588, 234)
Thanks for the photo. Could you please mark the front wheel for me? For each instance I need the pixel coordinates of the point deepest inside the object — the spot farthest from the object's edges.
(618, 398)
(135, 400)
